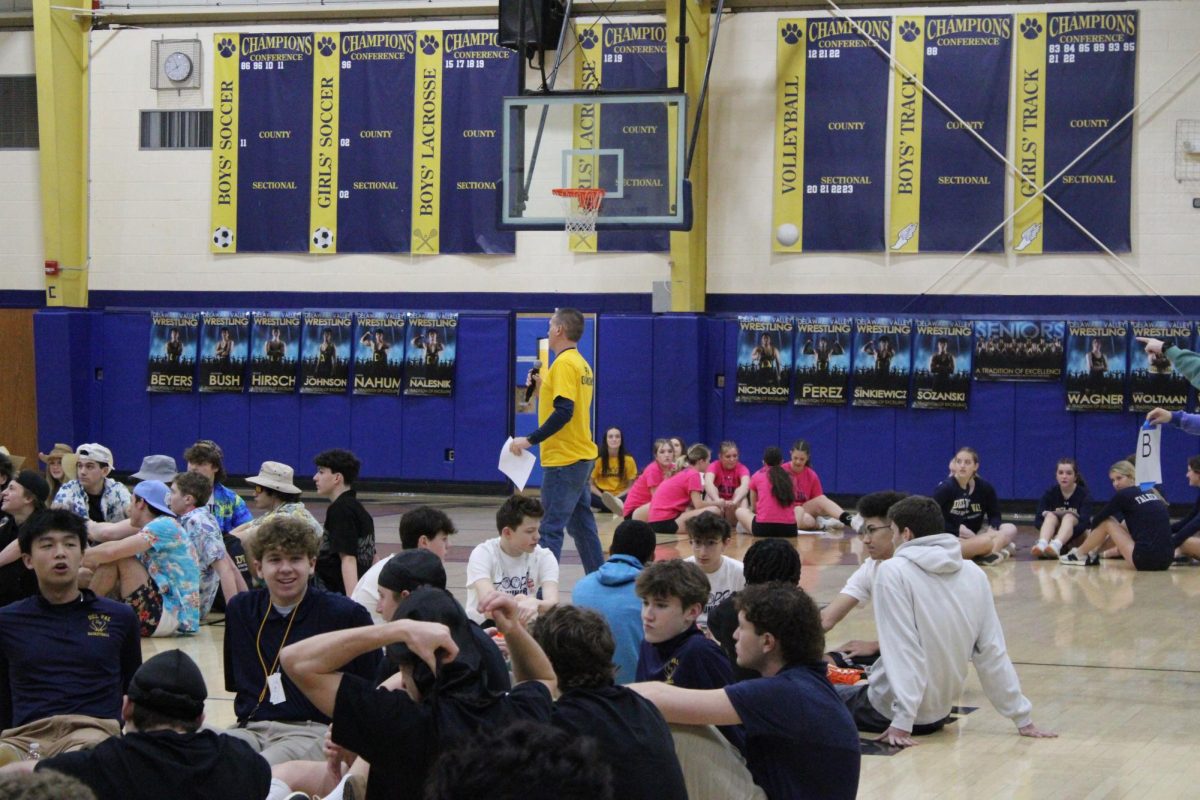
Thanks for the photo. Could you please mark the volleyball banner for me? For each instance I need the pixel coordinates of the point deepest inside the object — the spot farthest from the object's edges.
(1097, 360)
(823, 346)
(882, 362)
(172, 362)
(432, 353)
(1152, 381)
(947, 188)
(1019, 350)
(274, 351)
(224, 351)
(942, 364)
(379, 353)
(325, 352)
(1075, 81)
(830, 134)
(764, 359)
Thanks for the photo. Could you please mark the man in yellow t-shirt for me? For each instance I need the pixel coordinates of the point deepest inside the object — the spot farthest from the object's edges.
(565, 435)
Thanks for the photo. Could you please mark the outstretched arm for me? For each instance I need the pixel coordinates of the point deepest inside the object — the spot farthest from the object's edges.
(689, 706)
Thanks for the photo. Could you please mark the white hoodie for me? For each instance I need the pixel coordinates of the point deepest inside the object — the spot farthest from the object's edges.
(934, 613)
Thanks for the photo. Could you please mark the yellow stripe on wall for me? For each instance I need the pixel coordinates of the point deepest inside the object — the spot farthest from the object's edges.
(226, 70)
(904, 231)
(323, 194)
(585, 170)
(791, 63)
(427, 145)
(1030, 131)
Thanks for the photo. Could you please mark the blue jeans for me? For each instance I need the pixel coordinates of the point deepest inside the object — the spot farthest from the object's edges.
(567, 499)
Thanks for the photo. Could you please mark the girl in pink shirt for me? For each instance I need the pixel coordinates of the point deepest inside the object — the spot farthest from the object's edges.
(772, 495)
(814, 511)
(639, 494)
(669, 508)
(728, 480)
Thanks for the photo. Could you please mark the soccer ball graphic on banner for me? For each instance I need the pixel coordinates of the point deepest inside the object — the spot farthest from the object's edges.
(323, 238)
(787, 234)
(223, 237)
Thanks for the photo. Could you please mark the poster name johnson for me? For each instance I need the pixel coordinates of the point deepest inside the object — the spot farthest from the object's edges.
(187, 322)
(324, 383)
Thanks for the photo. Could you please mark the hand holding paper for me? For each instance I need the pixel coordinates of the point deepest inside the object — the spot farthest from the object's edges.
(516, 466)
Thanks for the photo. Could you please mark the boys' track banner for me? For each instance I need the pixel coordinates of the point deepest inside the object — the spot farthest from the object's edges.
(764, 359)
(1097, 360)
(882, 362)
(1152, 381)
(1075, 80)
(174, 336)
(830, 135)
(947, 188)
(224, 348)
(942, 364)
(823, 347)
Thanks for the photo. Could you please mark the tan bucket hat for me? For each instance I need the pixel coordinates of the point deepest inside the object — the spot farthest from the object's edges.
(277, 476)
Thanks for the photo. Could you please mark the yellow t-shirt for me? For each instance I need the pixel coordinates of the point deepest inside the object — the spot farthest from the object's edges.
(612, 483)
(569, 377)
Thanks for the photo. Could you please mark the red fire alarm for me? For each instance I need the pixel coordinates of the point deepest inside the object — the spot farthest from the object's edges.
(52, 268)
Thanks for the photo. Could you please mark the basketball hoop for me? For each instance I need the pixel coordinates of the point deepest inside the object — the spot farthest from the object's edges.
(581, 206)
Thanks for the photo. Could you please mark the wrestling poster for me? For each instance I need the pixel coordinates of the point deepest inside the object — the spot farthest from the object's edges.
(882, 362)
(1097, 360)
(823, 346)
(942, 364)
(172, 362)
(274, 351)
(1152, 381)
(325, 354)
(224, 347)
(432, 353)
(764, 359)
(379, 352)
(1018, 350)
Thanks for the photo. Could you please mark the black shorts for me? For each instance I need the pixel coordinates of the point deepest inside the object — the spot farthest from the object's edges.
(784, 529)
(1148, 560)
(665, 526)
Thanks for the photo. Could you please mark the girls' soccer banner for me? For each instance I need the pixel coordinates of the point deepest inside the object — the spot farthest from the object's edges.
(947, 188)
(764, 359)
(379, 355)
(1075, 80)
(883, 362)
(1153, 383)
(1018, 350)
(274, 351)
(831, 102)
(225, 345)
(1097, 360)
(172, 361)
(942, 364)
(325, 355)
(432, 353)
(823, 346)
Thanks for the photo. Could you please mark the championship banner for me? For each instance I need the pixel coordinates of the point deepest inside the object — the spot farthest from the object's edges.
(1075, 80)
(883, 362)
(432, 353)
(764, 359)
(1097, 360)
(379, 354)
(172, 362)
(375, 129)
(947, 189)
(1152, 381)
(823, 346)
(325, 352)
(1018, 350)
(224, 351)
(274, 351)
(262, 130)
(830, 135)
(942, 364)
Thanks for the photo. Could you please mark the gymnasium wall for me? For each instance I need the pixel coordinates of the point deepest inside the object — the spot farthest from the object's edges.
(20, 203)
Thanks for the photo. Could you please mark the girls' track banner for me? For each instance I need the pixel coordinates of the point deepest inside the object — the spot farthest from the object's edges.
(947, 188)
(942, 364)
(830, 135)
(1097, 360)
(172, 362)
(379, 355)
(883, 362)
(1153, 383)
(627, 56)
(432, 353)
(1018, 350)
(823, 346)
(1075, 80)
(224, 348)
(325, 356)
(274, 351)
(764, 359)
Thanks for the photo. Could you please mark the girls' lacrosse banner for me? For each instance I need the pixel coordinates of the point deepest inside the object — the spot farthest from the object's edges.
(325, 355)
(823, 346)
(830, 134)
(1018, 350)
(947, 188)
(172, 363)
(882, 362)
(764, 359)
(942, 364)
(432, 353)
(379, 354)
(224, 351)
(274, 351)
(1097, 360)
(1152, 381)
(1075, 81)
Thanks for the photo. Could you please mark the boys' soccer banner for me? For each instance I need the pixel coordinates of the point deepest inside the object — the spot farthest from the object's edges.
(616, 56)
(764, 359)
(1152, 381)
(432, 353)
(1075, 80)
(883, 362)
(224, 348)
(325, 355)
(942, 364)
(947, 188)
(379, 355)
(823, 346)
(172, 362)
(274, 351)
(1018, 350)
(1097, 360)
(831, 102)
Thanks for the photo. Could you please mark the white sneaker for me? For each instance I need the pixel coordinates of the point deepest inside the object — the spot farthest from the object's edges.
(1039, 549)
(613, 503)
(829, 524)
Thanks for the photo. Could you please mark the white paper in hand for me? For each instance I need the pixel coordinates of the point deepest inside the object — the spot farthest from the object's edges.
(1149, 456)
(517, 468)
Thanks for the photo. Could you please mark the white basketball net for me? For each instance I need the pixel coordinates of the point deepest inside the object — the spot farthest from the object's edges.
(580, 209)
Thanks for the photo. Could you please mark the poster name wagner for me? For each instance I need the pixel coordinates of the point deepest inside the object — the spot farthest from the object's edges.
(1086, 399)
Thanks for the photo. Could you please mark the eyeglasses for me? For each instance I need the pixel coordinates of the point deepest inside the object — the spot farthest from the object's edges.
(868, 531)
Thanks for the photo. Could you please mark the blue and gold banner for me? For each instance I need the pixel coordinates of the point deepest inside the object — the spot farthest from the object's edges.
(1019, 350)
(830, 135)
(823, 346)
(882, 362)
(274, 351)
(379, 355)
(432, 353)
(942, 364)
(224, 351)
(325, 353)
(764, 358)
(427, 146)
(173, 339)
(1097, 360)
(947, 188)
(1075, 80)
(1152, 381)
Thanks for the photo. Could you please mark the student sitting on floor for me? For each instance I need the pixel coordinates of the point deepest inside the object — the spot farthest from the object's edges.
(614, 472)
(772, 498)
(1062, 513)
(189, 500)
(681, 496)
(814, 510)
(93, 495)
(709, 535)
(513, 563)
(728, 480)
(637, 499)
(421, 528)
(275, 495)
(971, 512)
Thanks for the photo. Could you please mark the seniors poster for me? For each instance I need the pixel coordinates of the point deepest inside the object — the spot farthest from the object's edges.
(882, 362)
(764, 359)
(274, 351)
(1019, 350)
(172, 362)
(379, 352)
(225, 345)
(432, 353)
(942, 364)
(823, 348)
(1097, 360)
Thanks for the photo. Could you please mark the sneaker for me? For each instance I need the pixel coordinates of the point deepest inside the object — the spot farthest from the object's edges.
(830, 524)
(1075, 560)
(613, 503)
(1011, 549)
(856, 523)
(1055, 549)
(1040, 549)
(992, 559)
(355, 787)
(846, 519)
(847, 676)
